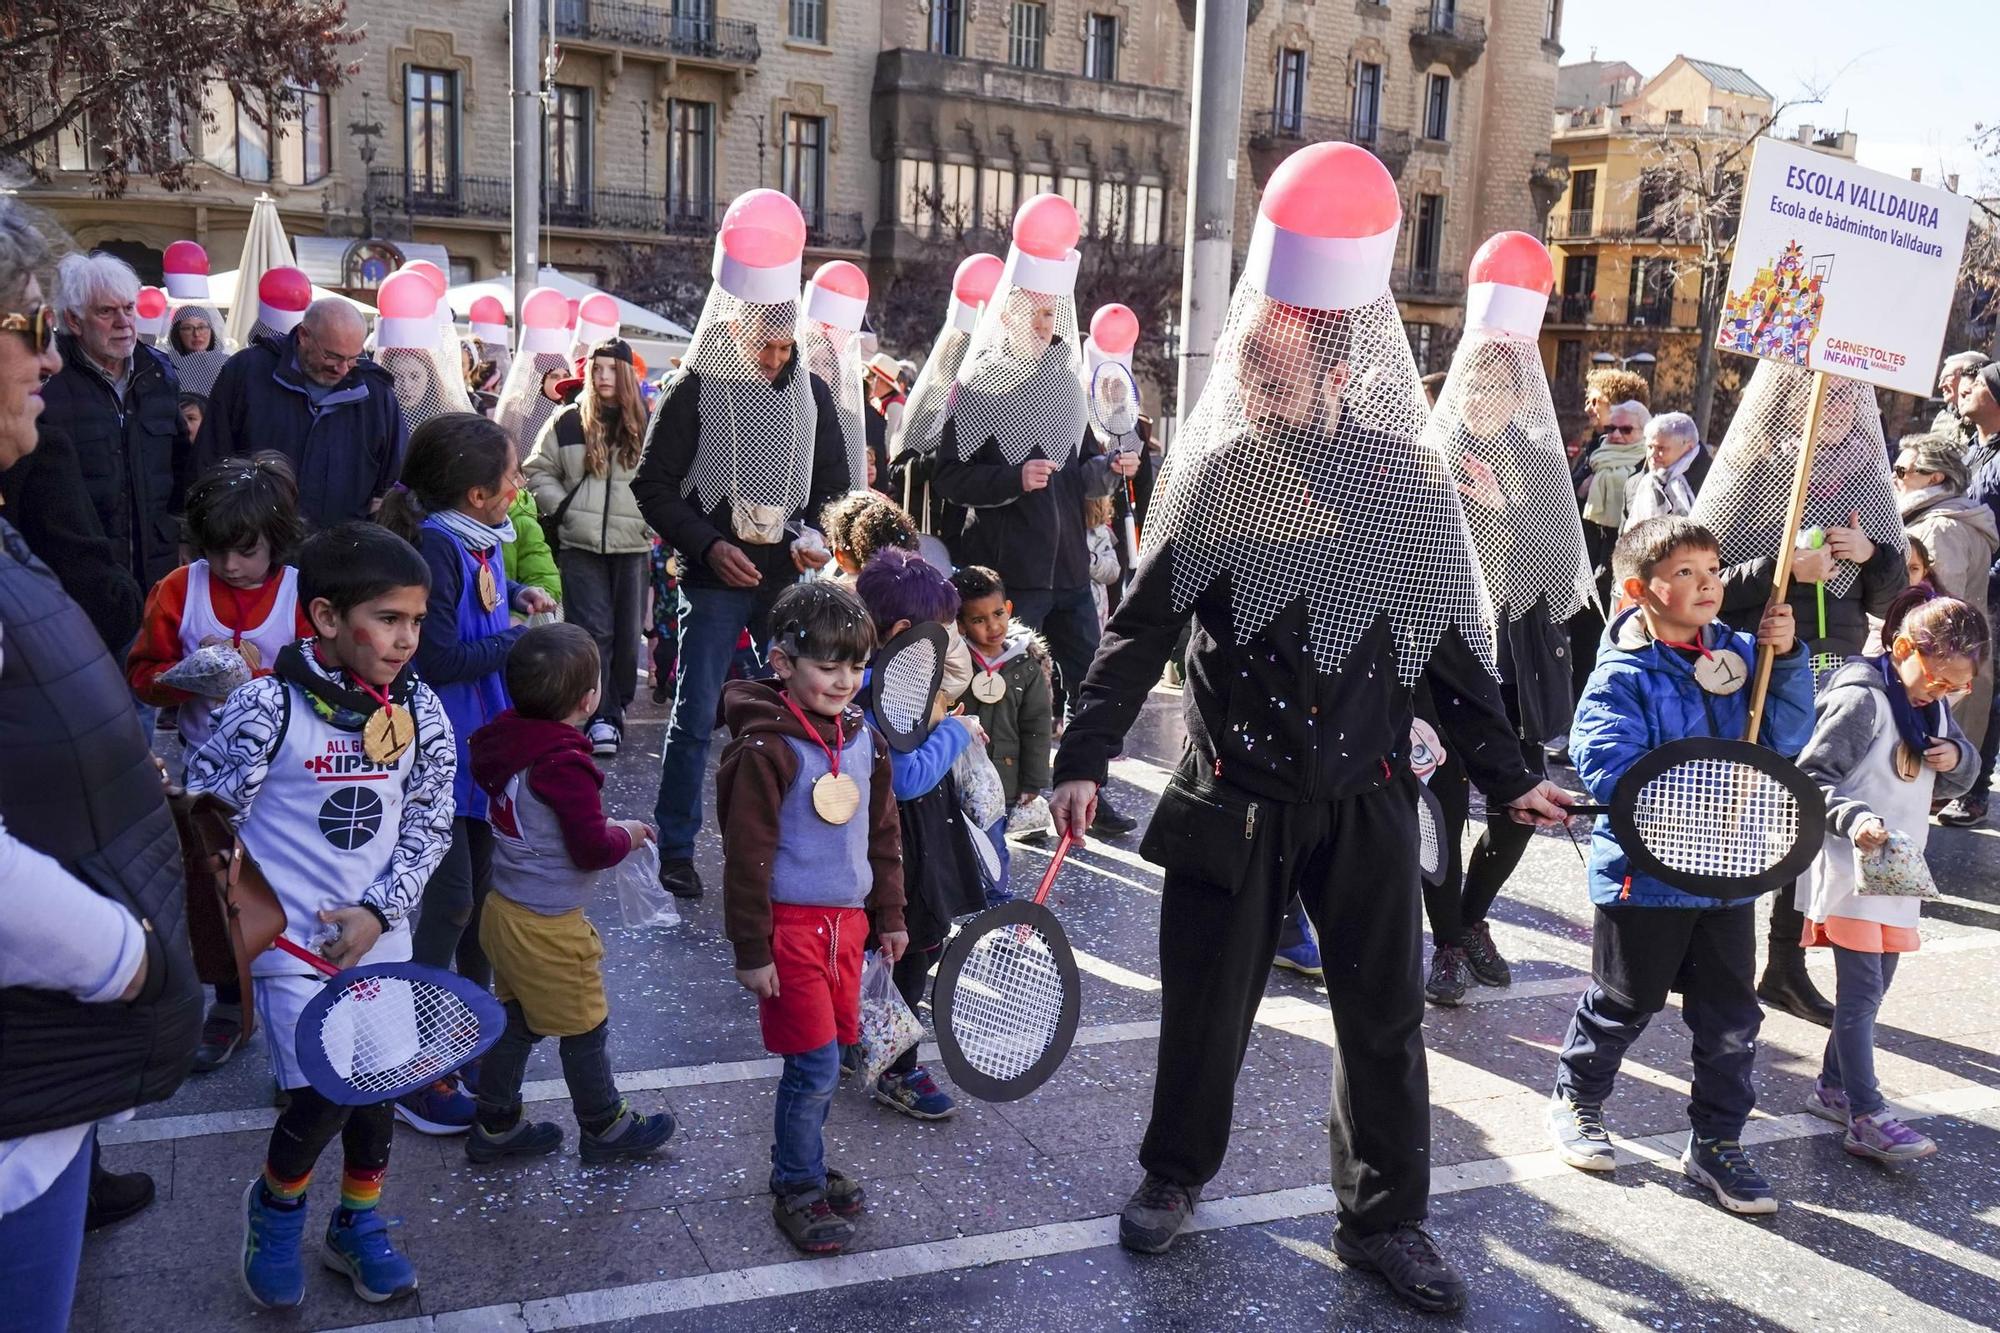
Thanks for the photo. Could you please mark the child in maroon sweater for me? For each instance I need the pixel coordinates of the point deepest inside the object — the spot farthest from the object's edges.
(550, 841)
(811, 858)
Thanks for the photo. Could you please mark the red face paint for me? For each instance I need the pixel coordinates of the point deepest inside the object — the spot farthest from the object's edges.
(362, 637)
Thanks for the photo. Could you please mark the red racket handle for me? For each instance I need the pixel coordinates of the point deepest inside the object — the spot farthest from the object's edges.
(1055, 866)
(306, 956)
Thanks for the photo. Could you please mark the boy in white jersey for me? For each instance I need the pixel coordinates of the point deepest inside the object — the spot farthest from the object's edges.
(339, 767)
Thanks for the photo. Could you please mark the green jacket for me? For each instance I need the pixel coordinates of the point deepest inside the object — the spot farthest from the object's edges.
(528, 558)
(1018, 727)
(602, 518)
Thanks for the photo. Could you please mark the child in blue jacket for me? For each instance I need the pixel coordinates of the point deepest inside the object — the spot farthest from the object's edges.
(1645, 691)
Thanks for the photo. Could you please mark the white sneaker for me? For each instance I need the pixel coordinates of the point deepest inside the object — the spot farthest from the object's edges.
(604, 740)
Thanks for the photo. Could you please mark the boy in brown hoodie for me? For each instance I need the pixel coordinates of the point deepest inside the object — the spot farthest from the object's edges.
(812, 857)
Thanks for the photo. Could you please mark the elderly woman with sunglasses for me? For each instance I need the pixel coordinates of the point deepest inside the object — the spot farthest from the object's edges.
(97, 989)
(1960, 536)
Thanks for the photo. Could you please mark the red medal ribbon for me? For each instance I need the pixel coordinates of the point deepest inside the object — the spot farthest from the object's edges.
(1695, 647)
(839, 734)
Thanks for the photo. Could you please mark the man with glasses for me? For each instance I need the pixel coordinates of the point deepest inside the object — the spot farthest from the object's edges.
(118, 402)
(312, 396)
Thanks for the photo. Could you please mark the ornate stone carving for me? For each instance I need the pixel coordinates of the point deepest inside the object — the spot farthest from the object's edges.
(807, 99)
(434, 50)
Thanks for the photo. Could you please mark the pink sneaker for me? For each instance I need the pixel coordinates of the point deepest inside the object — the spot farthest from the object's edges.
(1828, 1103)
(1886, 1139)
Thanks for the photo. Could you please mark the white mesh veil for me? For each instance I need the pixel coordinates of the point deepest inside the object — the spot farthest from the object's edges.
(523, 409)
(1021, 383)
(428, 383)
(756, 441)
(1495, 424)
(1749, 487)
(197, 370)
(930, 398)
(834, 354)
(1301, 474)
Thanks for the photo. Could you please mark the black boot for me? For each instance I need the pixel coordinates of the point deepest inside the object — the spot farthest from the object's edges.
(1785, 985)
(114, 1195)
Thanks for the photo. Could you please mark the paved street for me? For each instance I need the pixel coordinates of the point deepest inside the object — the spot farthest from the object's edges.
(1005, 1215)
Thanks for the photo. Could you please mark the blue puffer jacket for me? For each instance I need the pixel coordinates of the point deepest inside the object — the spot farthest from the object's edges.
(1640, 696)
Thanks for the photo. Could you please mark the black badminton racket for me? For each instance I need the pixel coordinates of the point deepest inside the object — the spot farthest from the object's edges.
(1432, 846)
(1008, 996)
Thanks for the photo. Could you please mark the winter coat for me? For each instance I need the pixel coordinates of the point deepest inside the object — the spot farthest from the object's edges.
(1852, 757)
(134, 454)
(671, 443)
(1032, 539)
(45, 497)
(346, 449)
(603, 518)
(1746, 589)
(1641, 696)
(530, 562)
(462, 649)
(550, 833)
(1983, 462)
(1019, 726)
(1962, 538)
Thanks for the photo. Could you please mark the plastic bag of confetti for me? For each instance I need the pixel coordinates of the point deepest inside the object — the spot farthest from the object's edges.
(888, 1027)
(212, 672)
(1895, 869)
(641, 900)
(980, 794)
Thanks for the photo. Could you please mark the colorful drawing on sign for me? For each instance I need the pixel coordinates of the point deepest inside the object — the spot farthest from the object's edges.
(1778, 314)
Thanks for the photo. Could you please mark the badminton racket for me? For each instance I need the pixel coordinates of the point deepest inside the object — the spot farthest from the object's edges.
(1008, 996)
(1114, 414)
(1431, 837)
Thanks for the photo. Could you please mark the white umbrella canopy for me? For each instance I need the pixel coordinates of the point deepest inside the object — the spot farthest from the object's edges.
(265, 247)
(633, 318)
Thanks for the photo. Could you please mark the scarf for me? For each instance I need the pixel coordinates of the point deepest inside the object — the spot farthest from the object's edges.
(326, 689)
(1611, 466)
(476, 536)
(1911, 727)
(1911, 503)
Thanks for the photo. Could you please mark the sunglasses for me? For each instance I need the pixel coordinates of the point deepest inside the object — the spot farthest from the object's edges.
(1947, 689)
(1621, 430)
(37, 328)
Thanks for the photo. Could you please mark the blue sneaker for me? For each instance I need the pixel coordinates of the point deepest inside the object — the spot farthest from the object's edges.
(916, 1094)
(1302, 958)
(441, 1108)
(273, 1273)
(360, 1248)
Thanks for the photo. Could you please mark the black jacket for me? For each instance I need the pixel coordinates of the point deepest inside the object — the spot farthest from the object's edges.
(77, 783)
(1263, 719)
(1746, 588)
(135, 456)
(1032, 539)
(671, 440)
(347, 448)
(46, 500)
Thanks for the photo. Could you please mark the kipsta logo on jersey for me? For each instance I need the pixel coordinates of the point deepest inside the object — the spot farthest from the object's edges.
(351, 817)
(345, 758)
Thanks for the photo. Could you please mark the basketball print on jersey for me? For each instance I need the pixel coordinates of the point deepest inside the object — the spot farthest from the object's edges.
(351, 817)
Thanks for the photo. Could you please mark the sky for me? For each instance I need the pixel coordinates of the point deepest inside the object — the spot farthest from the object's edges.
(1909, 77)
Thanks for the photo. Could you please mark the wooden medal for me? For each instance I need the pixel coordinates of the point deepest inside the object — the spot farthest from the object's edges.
(251, 657)
(1721, 672)
(836, 796)
(387, 733)
(1909, 763)
(489, 588)
(989, 687)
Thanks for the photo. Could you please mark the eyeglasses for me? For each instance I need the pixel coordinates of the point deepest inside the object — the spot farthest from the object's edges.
(1943, 688)
(37, 328)
(1621, 430)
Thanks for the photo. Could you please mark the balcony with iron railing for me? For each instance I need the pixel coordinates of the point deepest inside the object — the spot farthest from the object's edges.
(835, 231)
(926, 78)
(1443, 34)
(1573, 308)
(1663, 310)
(1605, 222)
(1425, 283)
(657, 30)
(491, 199)
(1276, 134)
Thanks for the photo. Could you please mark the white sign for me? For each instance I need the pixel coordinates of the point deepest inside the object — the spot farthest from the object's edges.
(1842, 269)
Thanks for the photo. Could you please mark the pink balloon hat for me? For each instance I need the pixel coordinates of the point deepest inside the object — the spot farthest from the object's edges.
(837, 296)
(282, 297)
(186, 266)
(597, 318)
(151, 307)
(1508, 285)
(760, 247)
(1325, 235)
(544, 322)
(409, 312)
(972, 288)
(489, 320)
(432, 274)
(1114, 332)
(1043, 255)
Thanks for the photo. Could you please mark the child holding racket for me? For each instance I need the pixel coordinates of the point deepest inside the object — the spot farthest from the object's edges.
(339, 768)
(242, 521)
(1668, 670)
(550, 840)
(459, 479)
(1884, 744)
(811, 861)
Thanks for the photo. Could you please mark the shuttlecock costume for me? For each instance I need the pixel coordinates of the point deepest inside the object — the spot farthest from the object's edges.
(831, 312)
